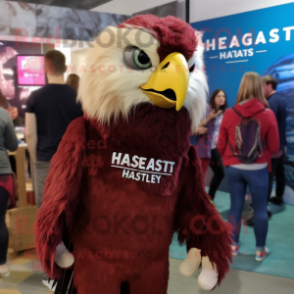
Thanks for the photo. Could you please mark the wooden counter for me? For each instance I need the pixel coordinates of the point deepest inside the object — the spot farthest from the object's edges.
(20, 221)
(20, 159)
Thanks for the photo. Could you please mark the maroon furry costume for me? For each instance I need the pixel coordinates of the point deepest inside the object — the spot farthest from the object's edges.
(121, 223)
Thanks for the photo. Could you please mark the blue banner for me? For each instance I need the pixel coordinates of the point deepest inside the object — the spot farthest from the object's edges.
(260, 41)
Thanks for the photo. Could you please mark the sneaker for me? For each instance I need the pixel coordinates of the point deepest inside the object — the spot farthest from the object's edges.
(276, 200)
(262, 255)
(49, 283)
(235, 250)
(4, 271)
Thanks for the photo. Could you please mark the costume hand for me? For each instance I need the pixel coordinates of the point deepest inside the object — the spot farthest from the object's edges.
(63, 258)
(202, 130)
(208, 277)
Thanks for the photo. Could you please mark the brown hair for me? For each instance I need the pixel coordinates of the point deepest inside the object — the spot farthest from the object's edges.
(3, 101)
(270, 80)
(251, 87)
(212, 100)
(55, 62)
(73, 80)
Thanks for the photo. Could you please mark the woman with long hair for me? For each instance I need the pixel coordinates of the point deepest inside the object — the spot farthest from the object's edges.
(217, 106)
(73, 80)
(8, 141)
(250, 123)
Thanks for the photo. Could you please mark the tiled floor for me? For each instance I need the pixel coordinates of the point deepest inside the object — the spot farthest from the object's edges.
(25, 275)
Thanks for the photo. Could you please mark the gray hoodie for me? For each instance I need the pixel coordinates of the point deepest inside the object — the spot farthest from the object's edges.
(8, 141)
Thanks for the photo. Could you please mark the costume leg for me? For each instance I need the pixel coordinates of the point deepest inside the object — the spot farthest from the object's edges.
(95, 276)
(153, 281)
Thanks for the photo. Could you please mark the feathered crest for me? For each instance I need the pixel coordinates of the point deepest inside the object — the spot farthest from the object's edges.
(109, 89)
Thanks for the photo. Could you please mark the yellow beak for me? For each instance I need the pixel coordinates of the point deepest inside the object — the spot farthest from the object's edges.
(168, 85)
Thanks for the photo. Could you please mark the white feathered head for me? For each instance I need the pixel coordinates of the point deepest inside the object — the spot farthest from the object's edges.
(145, 60)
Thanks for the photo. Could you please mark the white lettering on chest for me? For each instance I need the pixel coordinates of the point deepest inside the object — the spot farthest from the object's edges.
(142, 169)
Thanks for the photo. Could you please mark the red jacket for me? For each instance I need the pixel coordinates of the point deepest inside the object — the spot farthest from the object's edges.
(269, 131)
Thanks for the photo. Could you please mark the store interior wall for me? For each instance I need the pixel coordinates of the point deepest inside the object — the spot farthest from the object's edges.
(162, 10)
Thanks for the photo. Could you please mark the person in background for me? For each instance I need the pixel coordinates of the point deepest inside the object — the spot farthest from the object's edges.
(3, 101)
(277, 105)
(202, 140)
(17, 120)
(73, 80)
(8, 141)
(218, 105)
(49, 111)
(251, 105)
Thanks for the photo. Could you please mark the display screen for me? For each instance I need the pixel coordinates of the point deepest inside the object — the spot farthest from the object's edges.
(30, 70)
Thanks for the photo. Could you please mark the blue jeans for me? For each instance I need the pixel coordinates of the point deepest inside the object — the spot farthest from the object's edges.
(257, 181)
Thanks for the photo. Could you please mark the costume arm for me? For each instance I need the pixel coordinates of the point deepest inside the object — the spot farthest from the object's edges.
(61, 196)
(197, 221)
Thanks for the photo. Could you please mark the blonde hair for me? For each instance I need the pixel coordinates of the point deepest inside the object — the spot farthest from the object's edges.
(73, 80)
(251, 87)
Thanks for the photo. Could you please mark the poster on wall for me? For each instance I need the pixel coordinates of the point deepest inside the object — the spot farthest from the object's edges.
(15, 94)
(50, 22)
(260, 41)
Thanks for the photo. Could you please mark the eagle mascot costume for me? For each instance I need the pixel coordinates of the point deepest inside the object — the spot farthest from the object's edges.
(125, 177)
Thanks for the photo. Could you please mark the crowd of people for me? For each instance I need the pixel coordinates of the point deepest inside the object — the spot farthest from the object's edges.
(246, 142)
(49, 111)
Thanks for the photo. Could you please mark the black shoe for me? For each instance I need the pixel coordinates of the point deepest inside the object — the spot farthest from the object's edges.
(276, 200)
(250, 221)
(269, 213)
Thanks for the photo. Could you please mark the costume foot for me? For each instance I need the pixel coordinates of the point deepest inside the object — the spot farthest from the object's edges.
(191, 263)
(208, 277)
(63, 258)
(4, 271)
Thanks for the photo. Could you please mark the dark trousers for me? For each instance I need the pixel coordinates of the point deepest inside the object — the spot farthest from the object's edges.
(4, 237)
(279, 173)
(218, 172)
(257, 181)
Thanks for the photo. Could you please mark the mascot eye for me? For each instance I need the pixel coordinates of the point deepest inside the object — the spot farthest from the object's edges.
(191, 69)
(136, 58)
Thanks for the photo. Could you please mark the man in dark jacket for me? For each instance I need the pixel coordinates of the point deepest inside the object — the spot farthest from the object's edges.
(277, 105)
